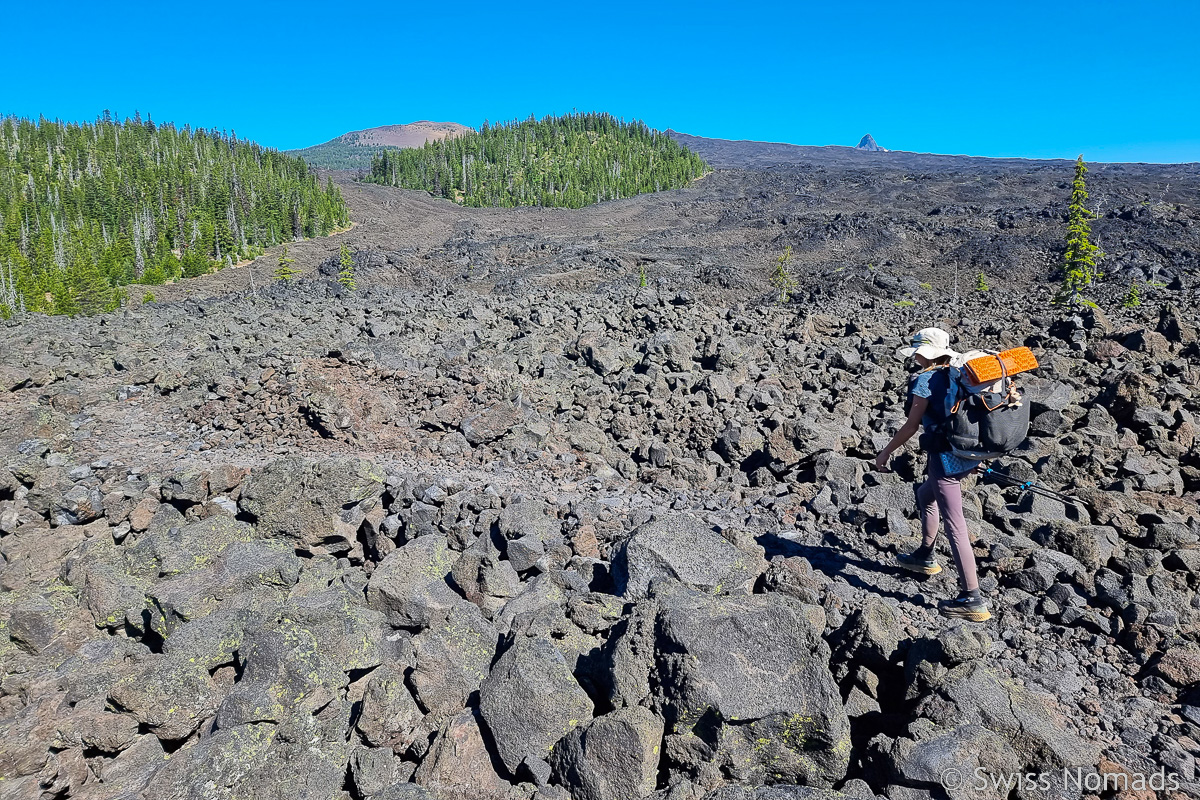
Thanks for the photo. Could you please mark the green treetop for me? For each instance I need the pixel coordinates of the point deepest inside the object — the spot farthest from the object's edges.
(346, 273)
(285, 271)
(1079, 269)
(782, 277)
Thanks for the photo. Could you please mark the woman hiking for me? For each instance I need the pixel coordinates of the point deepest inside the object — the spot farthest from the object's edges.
(931, 397)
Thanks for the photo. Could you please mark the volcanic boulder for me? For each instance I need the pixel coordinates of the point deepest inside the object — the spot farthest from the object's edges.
(530, 701)
(744, 683)
(410, 585)
(613, 757)
(304, 500)
(682, 548)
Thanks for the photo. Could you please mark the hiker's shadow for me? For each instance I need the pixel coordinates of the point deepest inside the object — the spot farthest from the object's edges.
(834, 561)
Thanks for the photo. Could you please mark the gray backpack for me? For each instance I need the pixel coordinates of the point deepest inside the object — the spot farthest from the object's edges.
(986, 421)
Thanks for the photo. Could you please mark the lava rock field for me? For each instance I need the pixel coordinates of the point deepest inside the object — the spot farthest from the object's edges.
(513, 521)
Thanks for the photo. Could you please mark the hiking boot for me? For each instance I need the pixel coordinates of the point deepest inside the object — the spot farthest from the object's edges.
(914, 563)
(965, 607)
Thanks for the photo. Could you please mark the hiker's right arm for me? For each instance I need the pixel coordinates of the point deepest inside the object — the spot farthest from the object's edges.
(906, 432)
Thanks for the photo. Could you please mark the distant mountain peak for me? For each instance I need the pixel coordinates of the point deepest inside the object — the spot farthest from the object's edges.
(354, 150)
(868, 143)
(412, 134)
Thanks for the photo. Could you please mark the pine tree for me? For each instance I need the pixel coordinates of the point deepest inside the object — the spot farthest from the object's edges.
(782, 278)
(1134, 298)
(1079, 271)
(194, 264)
(346, 274)
(285, 271)
(982, 285)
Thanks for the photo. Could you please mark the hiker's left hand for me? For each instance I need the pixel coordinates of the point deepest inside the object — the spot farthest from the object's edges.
(881, 461)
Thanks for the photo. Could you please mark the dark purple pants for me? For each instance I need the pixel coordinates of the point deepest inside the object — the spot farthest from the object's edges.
(940, 493)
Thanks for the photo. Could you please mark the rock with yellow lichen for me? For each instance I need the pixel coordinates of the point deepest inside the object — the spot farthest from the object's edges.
(530, 701)
(410, 585)
(744, 685)
(614, 756)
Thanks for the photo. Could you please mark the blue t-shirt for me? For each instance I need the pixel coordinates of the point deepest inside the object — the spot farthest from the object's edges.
(934, 384)
(940, 386)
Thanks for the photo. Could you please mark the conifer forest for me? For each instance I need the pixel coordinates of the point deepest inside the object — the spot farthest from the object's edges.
(88, 209)
(569, 161)
(343, 153)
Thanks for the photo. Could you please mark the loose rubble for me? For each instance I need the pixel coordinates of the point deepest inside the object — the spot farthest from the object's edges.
(433, 542)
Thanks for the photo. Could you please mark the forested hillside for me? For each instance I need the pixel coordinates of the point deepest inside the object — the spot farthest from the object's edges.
(353, 150)
(340, 153)
(90, 208)
(569, 161)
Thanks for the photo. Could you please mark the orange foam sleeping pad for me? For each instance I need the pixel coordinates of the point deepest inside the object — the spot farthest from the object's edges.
(987, 369)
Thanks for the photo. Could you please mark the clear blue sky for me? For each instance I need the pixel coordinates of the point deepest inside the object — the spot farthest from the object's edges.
(1114, 81)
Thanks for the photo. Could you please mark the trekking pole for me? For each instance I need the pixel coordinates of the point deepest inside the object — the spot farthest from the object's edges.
(1032, 486)
(1024, 486)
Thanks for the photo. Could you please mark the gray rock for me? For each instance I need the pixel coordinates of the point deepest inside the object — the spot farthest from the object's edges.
(491, 424)
(1045, 394)
(134, 767)
(629, 656)
(962, 643)
(523, 553)
(189, 487)
(179, 549)
(106, 731)
(778, 792)
(530, 701)
(171, 695)
(389, 716)
(879, 500)
(78, 505)
(758, 666)
(459, 766)
(974, 694)
(285, 676)
(33, 624)
(242, 566)
(404, 791)
(409, 586)
(530, 518)
(966, 749)
(499, 579)
(859, 703)
(682, 548)
(606, 357)
(613, 757)
(374, 769)
(263, 756)
(303, 501)
(539, 610)
(871, 636)
(454, 657)
(213, 640)
(346, 630)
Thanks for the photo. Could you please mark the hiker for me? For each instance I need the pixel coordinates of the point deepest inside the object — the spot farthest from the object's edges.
(931, 397)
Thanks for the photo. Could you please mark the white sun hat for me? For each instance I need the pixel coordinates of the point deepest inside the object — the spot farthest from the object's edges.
(928, 342)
